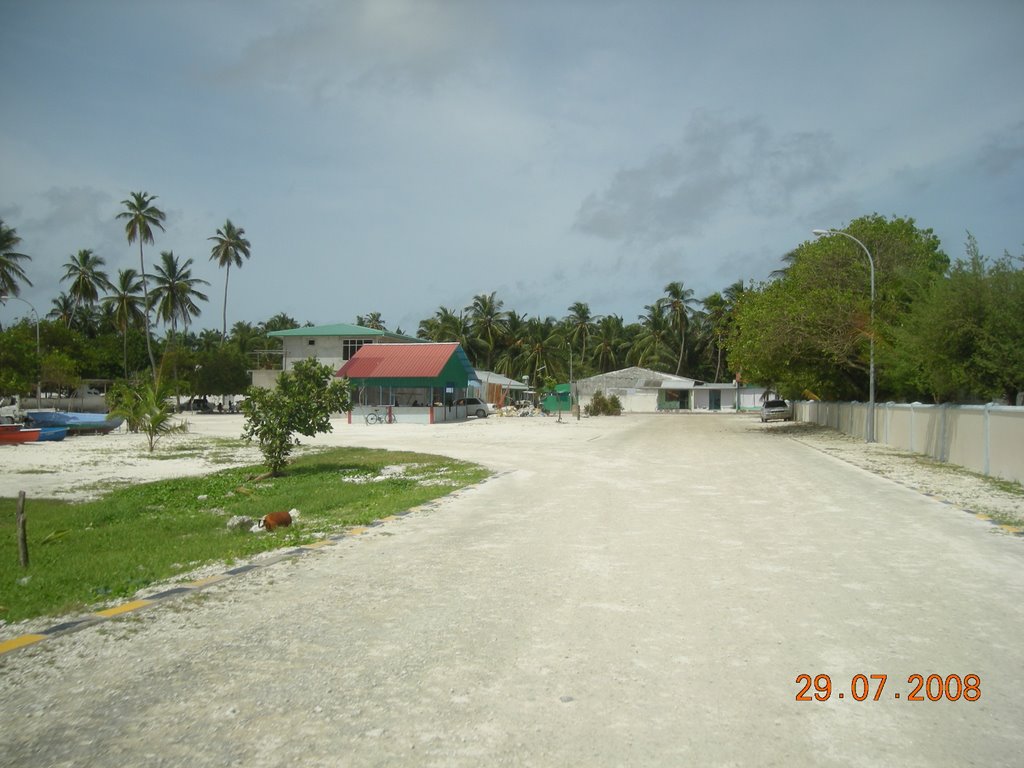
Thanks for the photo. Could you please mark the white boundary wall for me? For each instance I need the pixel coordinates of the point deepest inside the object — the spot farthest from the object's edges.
(983, 438)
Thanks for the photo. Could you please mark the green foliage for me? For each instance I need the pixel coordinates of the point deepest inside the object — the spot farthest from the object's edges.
(87, 553)
(601, 405)
(146, 408)
(962, 340)
(220, 371)
(811, 328)
(19, 366)
(302, 402)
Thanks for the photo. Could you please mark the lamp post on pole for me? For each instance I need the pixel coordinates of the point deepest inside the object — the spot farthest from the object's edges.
(4, 297)
(869, 436)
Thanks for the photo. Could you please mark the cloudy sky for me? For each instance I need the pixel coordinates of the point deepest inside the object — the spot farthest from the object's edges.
(400, 155)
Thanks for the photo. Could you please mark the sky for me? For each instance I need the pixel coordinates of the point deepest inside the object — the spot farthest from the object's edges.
(397, 156)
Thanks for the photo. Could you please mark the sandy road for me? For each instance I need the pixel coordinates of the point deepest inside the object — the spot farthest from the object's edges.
(639, 591)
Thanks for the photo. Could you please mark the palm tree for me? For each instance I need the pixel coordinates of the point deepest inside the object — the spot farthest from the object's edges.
(680, 304)
(229, 247)
(245, 336)
(63, 309)
(609, 343)
(487, 319)
(176, 294)
(174, 298)
(719, 308)
(510, 359)
(140, 216)
(127, 302)
(87, 278)
(652, 347)
(373, 320)
(11, 272)
(580, 326)
(542, 345)
(443, 326)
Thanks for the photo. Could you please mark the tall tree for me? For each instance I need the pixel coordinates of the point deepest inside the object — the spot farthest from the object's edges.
(174, 298)
(140, 216)
(229, 247)
(373, 320)
(487, 320)
(12, 274)
(653, 346)
(680, 304)
(176, 292)
(88, 279)
(579, 327)
(610, 341)
(811, 329)
(127, 301)
(62, 309)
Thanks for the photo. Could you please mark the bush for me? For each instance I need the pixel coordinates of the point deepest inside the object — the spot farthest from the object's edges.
(600, 405)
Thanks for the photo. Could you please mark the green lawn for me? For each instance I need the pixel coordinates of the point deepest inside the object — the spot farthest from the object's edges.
(85, 553)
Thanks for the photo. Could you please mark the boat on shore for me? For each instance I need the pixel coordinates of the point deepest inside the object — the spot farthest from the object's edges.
(15, 433)
(52, 434)
(76, 423)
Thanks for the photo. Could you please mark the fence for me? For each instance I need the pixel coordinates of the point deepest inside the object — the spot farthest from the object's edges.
(983, 438)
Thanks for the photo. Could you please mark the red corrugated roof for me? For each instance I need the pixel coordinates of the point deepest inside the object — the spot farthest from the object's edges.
(398, 361)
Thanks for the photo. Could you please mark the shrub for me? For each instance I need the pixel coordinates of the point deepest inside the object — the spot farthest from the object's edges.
(600, 405)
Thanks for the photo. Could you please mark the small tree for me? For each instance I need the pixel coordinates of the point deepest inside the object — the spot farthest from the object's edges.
(147, 407)
(302, 402)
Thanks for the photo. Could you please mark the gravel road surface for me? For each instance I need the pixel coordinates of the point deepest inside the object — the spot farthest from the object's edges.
(639, 591)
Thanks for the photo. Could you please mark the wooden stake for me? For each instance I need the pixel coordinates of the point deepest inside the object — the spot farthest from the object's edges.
(22, 541)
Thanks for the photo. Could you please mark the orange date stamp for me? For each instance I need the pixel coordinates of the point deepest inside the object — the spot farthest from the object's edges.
(872, 687)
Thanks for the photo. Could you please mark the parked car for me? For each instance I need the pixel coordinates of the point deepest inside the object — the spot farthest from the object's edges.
(774, 410)
(476, 406)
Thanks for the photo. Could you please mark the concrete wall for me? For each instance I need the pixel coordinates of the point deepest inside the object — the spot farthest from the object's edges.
(988, 439)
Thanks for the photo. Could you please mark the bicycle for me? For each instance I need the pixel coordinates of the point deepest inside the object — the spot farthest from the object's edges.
(377, 417)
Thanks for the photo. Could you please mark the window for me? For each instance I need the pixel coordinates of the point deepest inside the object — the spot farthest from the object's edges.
(349, 347)
(311, 342)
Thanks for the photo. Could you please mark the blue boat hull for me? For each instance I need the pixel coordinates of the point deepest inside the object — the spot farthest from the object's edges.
(75, 422)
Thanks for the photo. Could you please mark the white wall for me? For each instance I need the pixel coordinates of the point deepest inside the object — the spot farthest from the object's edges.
(983, 438)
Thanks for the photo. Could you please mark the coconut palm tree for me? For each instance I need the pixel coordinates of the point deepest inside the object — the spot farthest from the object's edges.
(176, 292)
(126, 300)
(487, 319)
(87, 278)
(653, 346)
(680, 304)
(229, 247)
(509, 361)
(140, 217)
(610, 342)
(11, 272)
(579, 327)
(542, 347)
(63, 309)
(174, 297)
(373, 320)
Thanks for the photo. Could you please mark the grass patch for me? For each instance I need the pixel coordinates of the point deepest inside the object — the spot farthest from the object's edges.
(91, 552)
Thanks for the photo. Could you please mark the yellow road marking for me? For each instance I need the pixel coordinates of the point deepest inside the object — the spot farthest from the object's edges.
(20, 642)
(135, 604)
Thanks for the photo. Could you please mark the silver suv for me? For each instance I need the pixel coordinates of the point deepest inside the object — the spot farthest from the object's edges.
(773, 410)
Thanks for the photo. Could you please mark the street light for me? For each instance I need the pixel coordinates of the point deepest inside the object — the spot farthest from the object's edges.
(4, 297)
(870, 432)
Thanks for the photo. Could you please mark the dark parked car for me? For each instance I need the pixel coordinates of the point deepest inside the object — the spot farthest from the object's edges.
(774, 410)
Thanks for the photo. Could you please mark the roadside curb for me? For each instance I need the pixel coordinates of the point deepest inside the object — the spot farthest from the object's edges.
(1012, 530)
(194, 587)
